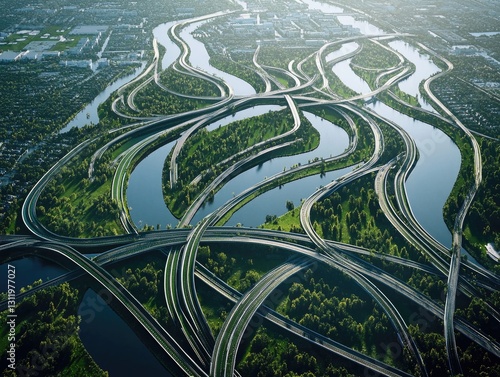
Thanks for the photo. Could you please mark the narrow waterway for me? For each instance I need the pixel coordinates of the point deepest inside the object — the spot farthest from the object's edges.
(349, 78)
(89, 113)
(273, 202)
(363, 26)
(109, 339)
(33, 268)
(424, 68)
(345, 49)
(199, 58)
(323, 7)
(333, 141)
(172, 51)
(145, 180)
(145, 193)
(431, 181)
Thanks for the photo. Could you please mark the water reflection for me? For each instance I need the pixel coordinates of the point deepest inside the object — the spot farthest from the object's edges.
(349, 78)
(108, 338)
(333, 141)
(430, 183)
(345, 49)
(424, 68)
(199, 58)
(89, 114)
(172, 50)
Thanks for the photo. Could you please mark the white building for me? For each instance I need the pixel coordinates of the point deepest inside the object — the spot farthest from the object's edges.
(31, 55)
(89, 30)
(9, 56)
(76, 63)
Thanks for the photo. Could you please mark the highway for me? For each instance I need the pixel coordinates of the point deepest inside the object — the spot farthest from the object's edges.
(277, 244)
(298, 330)
(351, 268)
(322, 245)
(187, 289)
(243, 164)
(121, 296)
(174, 299)
(28, 211)
(263, 74)
(453, 357)
(281, 240)
(193, 350)
(226, 344)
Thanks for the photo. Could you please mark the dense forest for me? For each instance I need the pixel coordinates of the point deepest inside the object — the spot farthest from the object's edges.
(273, 354)
(63, 210)
(324, 301)
(188, 85)
(143, 277)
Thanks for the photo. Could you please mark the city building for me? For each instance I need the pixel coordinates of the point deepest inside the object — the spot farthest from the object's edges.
(9, 56)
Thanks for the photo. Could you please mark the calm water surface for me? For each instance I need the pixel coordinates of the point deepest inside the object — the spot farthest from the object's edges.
(109, 339)
(333, 141)
(199, 58)
(424, 68)
(144, 191)
(29, 270)
(89, 114)
(349, 78)
(172, 50)
(430, 183)
(345, 49)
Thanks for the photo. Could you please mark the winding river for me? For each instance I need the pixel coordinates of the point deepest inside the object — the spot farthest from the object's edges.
(154, 211)
(199, 57)
(333, 141)
(428, 185)
(345, 49)
(89, 113)
(424, 68)
(349, 78)
(172, 51)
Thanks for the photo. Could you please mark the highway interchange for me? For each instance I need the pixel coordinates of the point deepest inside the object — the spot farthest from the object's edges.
(201, 353)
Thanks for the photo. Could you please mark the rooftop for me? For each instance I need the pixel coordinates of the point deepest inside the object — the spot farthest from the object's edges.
(89, 29)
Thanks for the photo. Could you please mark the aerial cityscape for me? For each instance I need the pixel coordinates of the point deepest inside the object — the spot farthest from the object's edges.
(250, 188)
